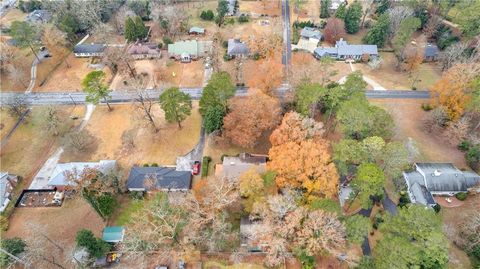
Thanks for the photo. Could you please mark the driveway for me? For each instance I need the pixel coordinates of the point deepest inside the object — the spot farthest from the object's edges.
(33, 69)
(185, 162)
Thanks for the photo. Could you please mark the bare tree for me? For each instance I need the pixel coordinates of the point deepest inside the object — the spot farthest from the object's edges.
(52, 122)
(453, 54)
(171, 18)
(79, 141)
(17, 106)
(17, 75)
(368, 10)
(144, 103)
(397, 15)
(7, 56)
(102, 31)
(119, 61)
(120, 17)
(44, 251)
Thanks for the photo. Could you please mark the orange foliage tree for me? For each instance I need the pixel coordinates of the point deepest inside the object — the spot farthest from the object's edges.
(296, 128)
(267, 76)
(249, 117)
(306, 165)
(453, 90)
(334, 30)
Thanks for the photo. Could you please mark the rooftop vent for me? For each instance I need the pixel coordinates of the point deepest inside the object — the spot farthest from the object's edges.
(437, 173)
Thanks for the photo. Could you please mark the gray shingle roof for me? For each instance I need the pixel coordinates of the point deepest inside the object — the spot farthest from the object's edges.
(443, 177)
(421, 194)
(89, 48)
(39, 15)
(310, 32)
(166, 178)
(236, 47)
(342, 48)
(431, 51)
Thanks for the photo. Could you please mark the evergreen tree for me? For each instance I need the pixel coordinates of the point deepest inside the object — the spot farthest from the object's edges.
(324, 8)
(141, 30)
(353, 17)
(378, 33)
(176, 104)
(341, 11)
(130, 33)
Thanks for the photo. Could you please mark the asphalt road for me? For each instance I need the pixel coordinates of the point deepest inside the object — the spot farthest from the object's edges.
(129, 96)
(287, 53)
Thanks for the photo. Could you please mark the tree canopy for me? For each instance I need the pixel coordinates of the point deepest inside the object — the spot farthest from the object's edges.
(369, 181)
(176, 104)
(377, 35)
(217, 92)
(135, 29)
(95, 88)
(353, 17)
(96, 247)
(412, 239)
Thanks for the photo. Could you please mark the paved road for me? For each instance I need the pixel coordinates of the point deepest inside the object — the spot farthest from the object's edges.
(129, 96)
(287, 53)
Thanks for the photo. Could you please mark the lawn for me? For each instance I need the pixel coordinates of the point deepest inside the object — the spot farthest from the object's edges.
(68, 75)
(304, 64)
(48, 65)
(24, 64)
(409, 123)
(217, 265)
(127, 210)
(6, 122)
(149, 147)
(12, 15)
(30, 145)
(391, 78)
(255, 8)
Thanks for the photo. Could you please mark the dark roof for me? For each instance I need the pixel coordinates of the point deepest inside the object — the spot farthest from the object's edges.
(236, 47)
(39, 15)
(445, 177)
(89, 48)
(431, 51)
(166, 178)
(311, 32)
(421, 194)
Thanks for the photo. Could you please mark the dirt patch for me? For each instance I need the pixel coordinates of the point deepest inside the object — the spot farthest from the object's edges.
(69, 75)
(270, 8)
(391, 78)
(60, 224)
(309, 11)
(409, 122)
(454, 202)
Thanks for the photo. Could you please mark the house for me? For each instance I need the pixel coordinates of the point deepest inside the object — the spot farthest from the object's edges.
(431, 179)
(237, 48)
(39, 16)
(310, 33)
(189, 50)
(7, 183)
(89, 50)
(158, 178)
(196, 31)
(140, 51)
(65, 174)
(345, 51)
(113, 234)
(335, 4)
(430, 53)
(233, 167)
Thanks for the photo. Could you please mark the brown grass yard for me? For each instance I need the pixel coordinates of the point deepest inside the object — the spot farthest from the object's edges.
(162, 147)
(409, 122)
(271, 8)
(24, 64)
(60, 224)
(391, 78)
(69, 75)
(48, 65)
(29, 146)
(12, 15)
(6, 122)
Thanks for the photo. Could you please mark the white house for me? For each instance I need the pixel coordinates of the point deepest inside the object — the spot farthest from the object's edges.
(7, 183)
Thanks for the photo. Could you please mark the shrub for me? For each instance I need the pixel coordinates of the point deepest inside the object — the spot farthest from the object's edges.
(414, 88)
(243, 18)
(146, 165)
(136, 195)
(308, 262)
(326, 205)
(268, 178)
(461, 196)
(377, 220)
(227, 57)
(207, 15)
(13, 246)
(473, 157)
(427, 107)
(205, 163)
(437, 208)
(96, 247)
(167, 40)
(464, 146)
(154, 165)
(256, 56)
(160, 45)
(404, 200)
(225, 44)
(303, 24)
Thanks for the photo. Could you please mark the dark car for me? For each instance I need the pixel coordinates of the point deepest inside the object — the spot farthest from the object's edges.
(196, 168)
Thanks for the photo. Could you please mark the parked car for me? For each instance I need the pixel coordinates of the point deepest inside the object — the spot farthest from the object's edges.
(196, 168)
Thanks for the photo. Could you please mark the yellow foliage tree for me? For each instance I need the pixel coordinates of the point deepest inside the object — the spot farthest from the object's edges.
(307, 165)
(250, 183)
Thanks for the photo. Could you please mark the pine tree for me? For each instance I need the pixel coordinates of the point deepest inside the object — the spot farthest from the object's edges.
(324, 6)
(130, 30)
(353, 17)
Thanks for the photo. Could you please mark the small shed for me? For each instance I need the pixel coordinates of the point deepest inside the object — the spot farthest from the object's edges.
(196, 31)
(113, 234)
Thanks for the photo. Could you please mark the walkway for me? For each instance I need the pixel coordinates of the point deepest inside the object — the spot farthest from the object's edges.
(376, 86)
(40, 181)
(33, 70)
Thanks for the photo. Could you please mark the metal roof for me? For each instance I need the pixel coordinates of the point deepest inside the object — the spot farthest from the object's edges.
(431, 51)
(113, 234)
(196, 29)
(58, 177)
(166, 178)
(89, 48)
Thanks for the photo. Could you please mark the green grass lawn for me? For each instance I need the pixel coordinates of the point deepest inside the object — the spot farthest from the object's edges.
(132, 207)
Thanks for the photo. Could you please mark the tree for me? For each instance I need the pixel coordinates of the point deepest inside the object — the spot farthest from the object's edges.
(222, 10)
(379, 32)
(414, 59)
(267, 76)
(120, 18)
(413, 238)
(207, 15)
(176, 104)
(296, 128)
(25, 35)
(402, 36)
(79, 141)
(369, 9)
(135, 29)
(369, 181)
(382, 6)
(334, 30)
(52, 122)
(468, 234)
(306, 165)
(341, 11)
(140, 8)
(325, 8)
(96, 247)
(249, 117)
(353, 17)
(454, 90)
(251, 189)
(145, 105)
(17, 106)
(357, 227)
(119, 62)
(213, 119)
(359, 120)
(397, 15)
(13, 246)
(395, 159)
(468, 19)
(129, 32)
(217, 92)
(307, 96)
(95, 88)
